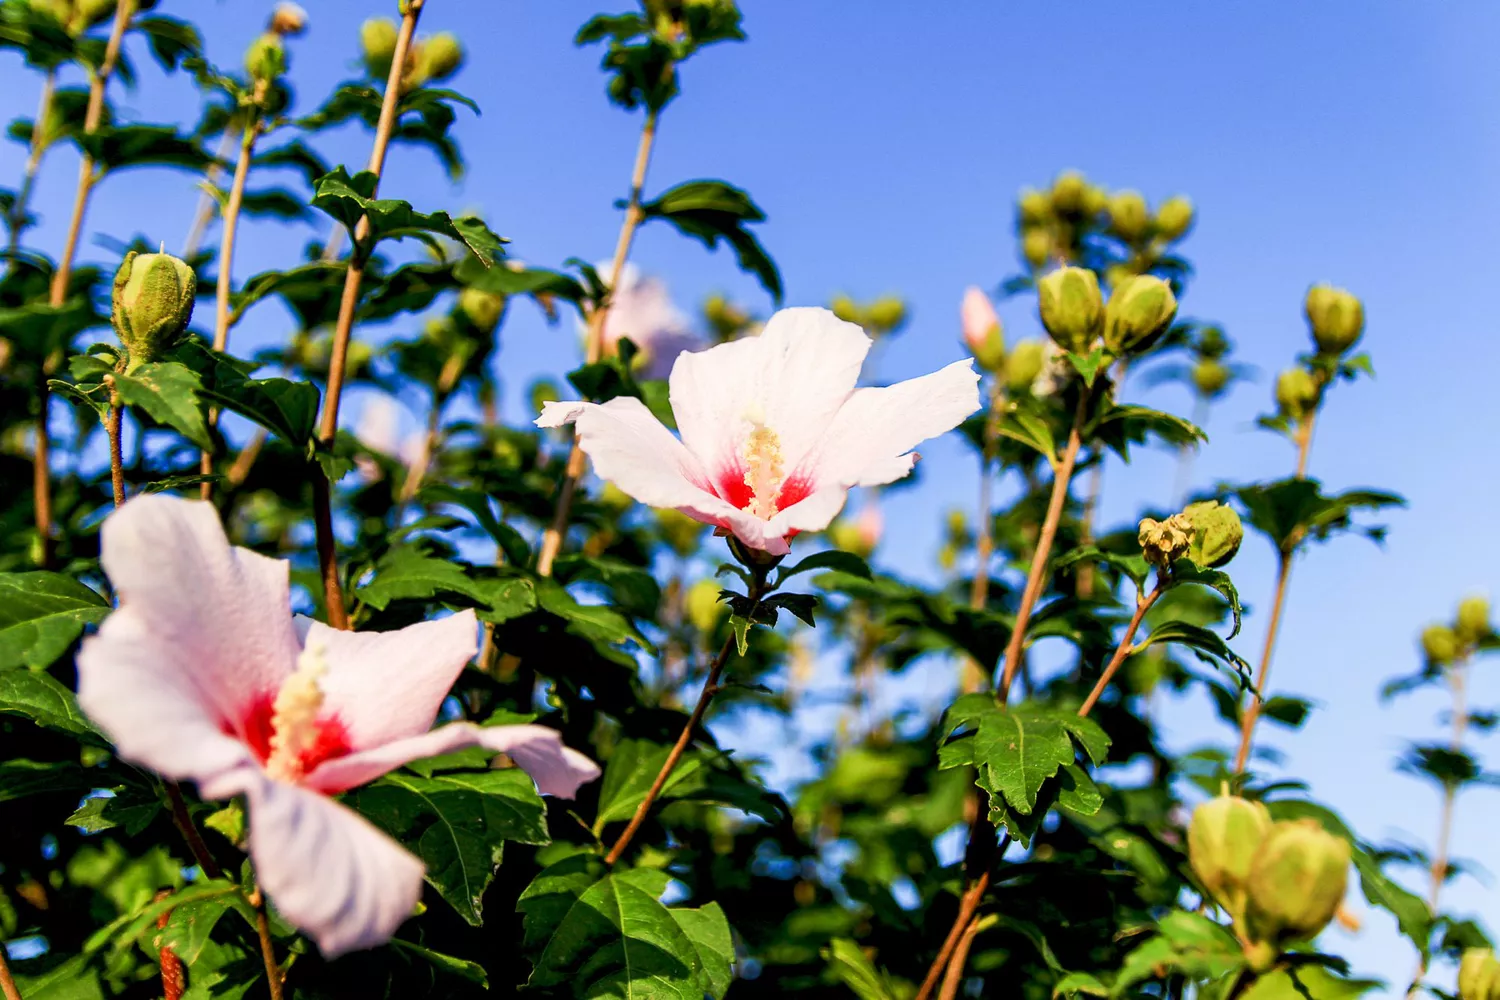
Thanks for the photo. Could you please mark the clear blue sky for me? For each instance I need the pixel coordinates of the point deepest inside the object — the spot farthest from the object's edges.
(1355, 144)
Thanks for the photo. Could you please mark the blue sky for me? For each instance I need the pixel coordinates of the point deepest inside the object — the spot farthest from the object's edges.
(1355, 144)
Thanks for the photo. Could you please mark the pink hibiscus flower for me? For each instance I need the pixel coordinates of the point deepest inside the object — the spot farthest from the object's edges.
(774, 432)
(203, 675)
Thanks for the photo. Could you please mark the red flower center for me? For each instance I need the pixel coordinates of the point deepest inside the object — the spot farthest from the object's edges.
(330, 737)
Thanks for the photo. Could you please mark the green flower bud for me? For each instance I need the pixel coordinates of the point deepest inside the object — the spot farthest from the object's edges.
(1297, 882)
(1024, 364)
(1128, 215)
(1473, 621)
(1164, 542)
(1069, 192)
(1094, 200)
(1336, 317)
(1036, 246)
(92, 12)
(1174, 217)
(1139, 310)
(439, 57)
(1478, 975)
(1212, 343)
(265, 60)
(152, 304)
(1210, 377)
(1223, 837)
(846, 309)
(885, 315)
(1217, 533)
(704, 609)
(1296, 393)
(377, 42)
(1072, 308)
(1034, 207)
(1439, 644)
(482, 308)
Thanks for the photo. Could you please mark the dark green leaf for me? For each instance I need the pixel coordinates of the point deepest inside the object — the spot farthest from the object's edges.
(41, 615)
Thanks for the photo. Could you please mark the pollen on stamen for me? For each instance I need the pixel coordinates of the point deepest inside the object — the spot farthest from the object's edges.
(764, 472)
(294, 716)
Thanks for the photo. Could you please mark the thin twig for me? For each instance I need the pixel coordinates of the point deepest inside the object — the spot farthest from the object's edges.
(267, 949)
(207, 203)
(33, 162)
(183, 820)
(7, 982)
(116, 459)
(966, 907)
(1143, 604)
(322, 492)
(955, 974)
(552, 538)
(972, 676)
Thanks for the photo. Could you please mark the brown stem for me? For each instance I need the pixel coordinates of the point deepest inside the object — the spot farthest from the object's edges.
(710, 688)
(226, 256)
(7, 982)
(955, 974)
(1036, 578)
(966, 907)
(116, 459)
(207, 203)
(552, 538)
(322, 491)
(267, 949)
(172, 980)
(183, 820)
(33, 161)
(1143, 604)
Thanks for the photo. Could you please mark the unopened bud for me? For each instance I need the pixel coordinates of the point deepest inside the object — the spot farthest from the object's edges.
(1164, 542)
(846, 309)
(1297, 882)
(1072, 307)
(1336, 317)
(1212, 343)
(1174, 217)
(704, 609)
(1034, 207)
(982, 331)
(1217, 533)
(1069, 192)
(1128, 215)
(1478, 975)
(482, 308)
(1439, 645)
(439, 57)
(859, 534)
(1036, 246)
(1473, 622)
(1139, 310)
(265, 60)
(1210, 377)
(887, 314)
(1296, 393)
(1024, 364)
(288, 19)
(1223, 836)
(377, 42)
(152, 304)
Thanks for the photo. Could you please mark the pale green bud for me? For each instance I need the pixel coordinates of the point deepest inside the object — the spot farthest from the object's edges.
(1174, 217)
(1473, 621)
(1212, 343)
(1069, 192)
(1072, 307)
(1296, 393)
(265, 60)
(482, 308)
(886, 314)
(1210, 377)
(1297, 882)
(846, 309)
(1140, 309)
(439, 57)
(1036, 246)
(152, 304)
(1336, 317)
(1217, 533)
(1478, 975)
(377, 42)
(1223, 837)
(1094, 200)
(1034, 207)
(1024, 364)
(1439, 644)
(92, 12)
(1128, 215)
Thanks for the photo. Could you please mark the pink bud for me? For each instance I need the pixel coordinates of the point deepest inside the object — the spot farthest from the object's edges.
(978, 317)
(870, 525)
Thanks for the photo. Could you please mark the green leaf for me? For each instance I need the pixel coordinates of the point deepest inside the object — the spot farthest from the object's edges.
(1188, 943)
(460, 967)
(168, 392)
(849, 965)
(517, 552)
(1186, 571)
(42, 615)
(1017, 752)
(607, 934)
(699, 776)
(1077, 792)
(834, 559)
(1075, 983)
(117, 148)
(171, 39)
(1307, 982)
(347, 199)
(40, 698)
(131, 807)
(740, 625)
(594, 621)
(1206, 643)
(1089, 365)
(1022, 423)
(1133, 566)
(456, 822)
(710, 211)
(20, 778)
(285, 408)
(1119, 426)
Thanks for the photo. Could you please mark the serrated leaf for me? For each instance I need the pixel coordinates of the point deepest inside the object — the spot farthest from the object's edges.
(461, 967)
(347, 199)
(710, 211)
(1021, 423)
(850, 965)
(1133, 566)
(1186, 571)
(1017, 752)
(40, 698)
(168, 392)
(41, 615)
(831, 559)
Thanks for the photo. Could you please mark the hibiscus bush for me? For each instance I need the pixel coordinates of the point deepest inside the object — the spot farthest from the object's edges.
(289, 709)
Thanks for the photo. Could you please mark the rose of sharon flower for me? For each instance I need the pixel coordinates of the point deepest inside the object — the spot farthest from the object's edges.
(774, 433)
(642, 309)
(203, 674)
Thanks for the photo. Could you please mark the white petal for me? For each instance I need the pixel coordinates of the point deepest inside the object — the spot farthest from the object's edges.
(814, 512)
(870, 441)
(329, 871)
(537, 750)
(633, 450)
(792, 378)
(385, 686)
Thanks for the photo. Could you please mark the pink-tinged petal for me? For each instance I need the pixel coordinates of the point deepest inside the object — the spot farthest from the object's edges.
(813, 513)
(977, 317)
(225, 612)
(384, 686)
(537, 750)
(142, 690)
(792, 378)
(632, 449)
(870, 442)
(328, 870)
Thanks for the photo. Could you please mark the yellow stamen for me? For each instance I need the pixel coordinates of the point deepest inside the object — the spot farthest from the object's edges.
(763, 470)
(294, 715)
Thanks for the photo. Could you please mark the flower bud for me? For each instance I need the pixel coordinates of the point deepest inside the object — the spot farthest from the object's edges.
(1139, 310)
(1297, 882)
(1439, 645)
(288, 19)
(1036, 246)
(1296, 393)
(439, 57)
(1164, 542)
(377, 42)
(885, 315)
(1473, 621)
(1217, 533)
(265, 60)
(1072, 308)
(1174, 217)
(1223, 836)
(1336, 317)
(1024, 364)
(1069, 192)
(152, 304)
(1094, 200)
(981, 327)
(1212, 343)
(704, 609)
(846, 309)
(482, 308)
(859, 534)
(1478, 975)
(1128, 215)
(1210, 377)
(92, 12)
(1034, 207)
